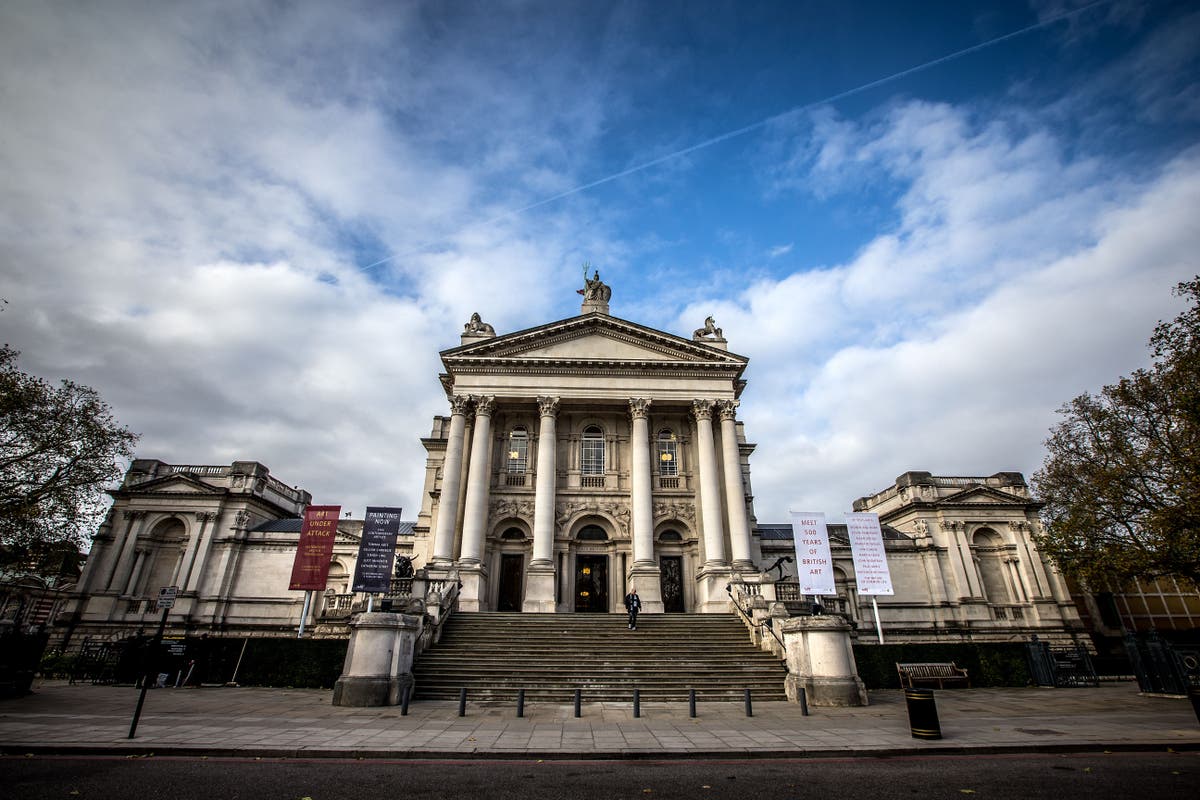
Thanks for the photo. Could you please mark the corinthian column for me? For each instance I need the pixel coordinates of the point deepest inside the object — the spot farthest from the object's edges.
(539, 582)
(735, 492)
(443, 538)
(643, 573)
(478, 477)
(710, 493)
(643, 514)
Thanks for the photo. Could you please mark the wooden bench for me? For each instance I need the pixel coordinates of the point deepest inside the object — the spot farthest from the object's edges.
(941, 674)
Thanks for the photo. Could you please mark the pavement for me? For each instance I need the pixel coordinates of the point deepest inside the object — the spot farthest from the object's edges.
(59, 718)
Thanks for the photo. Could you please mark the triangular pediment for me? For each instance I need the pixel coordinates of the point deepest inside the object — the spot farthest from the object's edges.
(178, 483)
(597, 338)
(978, 495)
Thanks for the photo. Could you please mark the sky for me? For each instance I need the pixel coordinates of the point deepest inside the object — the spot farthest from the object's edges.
(252, 226)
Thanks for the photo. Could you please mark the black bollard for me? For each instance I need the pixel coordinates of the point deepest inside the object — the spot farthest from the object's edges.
(637, 703)
(520, 702)
(803, 702)
(922, 714)
(405, 694)
(462, 702)
(578, 700)
(1194, 695)
(691, 702)
(749, 708)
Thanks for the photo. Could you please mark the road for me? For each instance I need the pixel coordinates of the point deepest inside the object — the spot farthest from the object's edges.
(1094, 776)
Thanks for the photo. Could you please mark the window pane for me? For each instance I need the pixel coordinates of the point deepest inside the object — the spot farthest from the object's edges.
(592, 455)
(518, 451)
(668, 454)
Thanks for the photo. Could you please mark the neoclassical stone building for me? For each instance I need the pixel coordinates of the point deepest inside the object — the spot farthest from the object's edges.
(584, 456)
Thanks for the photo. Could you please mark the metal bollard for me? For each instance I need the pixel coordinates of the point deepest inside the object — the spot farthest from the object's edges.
(405, 694)
(578, 700)
(922, 714)
(520, 702)
(637, 703)
(462, 702)
(691, 702)
(749, 708)
(803, 702)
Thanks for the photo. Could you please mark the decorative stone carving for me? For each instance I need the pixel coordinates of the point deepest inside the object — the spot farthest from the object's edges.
(921, 527)
(639, 407)
(485, 405)
(241, 520)
(594, 289)
(620, 513)
(728, 408)
(522, 509)
(548, 406)
(702, 409)
(710, 329)
(205, 516)
(685, 511)
(459, 404)
(477, 327)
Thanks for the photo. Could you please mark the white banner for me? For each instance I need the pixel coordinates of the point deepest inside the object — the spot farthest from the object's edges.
(871, 571)
(814, 564)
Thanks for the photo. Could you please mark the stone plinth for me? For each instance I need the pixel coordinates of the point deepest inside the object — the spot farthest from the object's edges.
(647, 579)
(821, 661)
(539, 589)
(474, 579)
(378, 661)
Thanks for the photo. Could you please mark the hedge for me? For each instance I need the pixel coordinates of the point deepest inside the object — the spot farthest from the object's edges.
(986, 664)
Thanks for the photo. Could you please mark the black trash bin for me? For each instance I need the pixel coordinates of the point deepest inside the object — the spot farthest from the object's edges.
(1194, 696)
(922, 714)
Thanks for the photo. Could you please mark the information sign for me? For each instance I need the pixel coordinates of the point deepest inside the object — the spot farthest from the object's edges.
(814, 564)
(871, 571)
(166, 597)
(310, 569)
(377, 552)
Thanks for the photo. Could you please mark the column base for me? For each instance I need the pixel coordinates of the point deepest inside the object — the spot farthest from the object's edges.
(378, 660)
(711, 580)
(539, 589)
(647, 579)
(473, 595)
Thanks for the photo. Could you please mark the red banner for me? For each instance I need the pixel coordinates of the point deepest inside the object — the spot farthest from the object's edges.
(311, 567)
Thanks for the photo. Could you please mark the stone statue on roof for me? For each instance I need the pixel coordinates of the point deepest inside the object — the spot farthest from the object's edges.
(710, 329)
(596, 293)
(477, 327)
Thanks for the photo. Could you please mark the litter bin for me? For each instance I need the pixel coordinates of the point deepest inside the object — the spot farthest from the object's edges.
(1194, 696)
(922, 714)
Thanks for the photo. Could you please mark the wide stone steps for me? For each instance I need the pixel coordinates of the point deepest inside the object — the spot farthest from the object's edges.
(493, 655)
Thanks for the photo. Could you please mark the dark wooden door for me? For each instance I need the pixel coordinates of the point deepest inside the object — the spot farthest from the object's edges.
(591, 583)
(671, 583)
(511, 567)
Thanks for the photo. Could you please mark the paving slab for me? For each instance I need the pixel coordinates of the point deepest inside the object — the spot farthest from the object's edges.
(259, 722)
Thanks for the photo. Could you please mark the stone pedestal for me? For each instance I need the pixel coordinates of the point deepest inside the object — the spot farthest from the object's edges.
(378, 661)
(711, 594)
(821, 661)
(647, 579)
(539, 589)
(473, 595)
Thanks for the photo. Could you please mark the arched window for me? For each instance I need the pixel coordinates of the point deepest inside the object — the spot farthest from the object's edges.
(513, 535)
(670, 536)
(592, 533)
(668, 454)
(988, 546)
(518, 451)
(591, 458)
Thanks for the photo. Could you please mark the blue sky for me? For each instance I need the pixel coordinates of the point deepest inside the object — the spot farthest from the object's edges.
(252, 226)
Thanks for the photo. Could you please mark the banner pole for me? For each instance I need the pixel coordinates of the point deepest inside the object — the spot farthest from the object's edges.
(878, 624)
(370, 602)
(304, 614)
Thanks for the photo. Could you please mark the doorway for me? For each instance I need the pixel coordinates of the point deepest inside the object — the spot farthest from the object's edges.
(591, 584)
(511, 567)
(671, 583)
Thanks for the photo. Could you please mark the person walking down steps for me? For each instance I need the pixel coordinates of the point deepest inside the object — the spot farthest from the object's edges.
(633, 604)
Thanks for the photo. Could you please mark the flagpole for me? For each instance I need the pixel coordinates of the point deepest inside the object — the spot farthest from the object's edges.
(304, 614)
(878, 624)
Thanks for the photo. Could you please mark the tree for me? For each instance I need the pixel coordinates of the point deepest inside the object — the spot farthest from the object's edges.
(59, 446)
(1121, 479)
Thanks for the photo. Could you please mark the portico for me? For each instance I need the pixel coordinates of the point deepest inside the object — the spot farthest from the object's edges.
(577, 455)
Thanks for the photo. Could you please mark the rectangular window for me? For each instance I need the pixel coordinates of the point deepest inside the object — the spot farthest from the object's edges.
(668, 458)
(518, 454)
(593, 456)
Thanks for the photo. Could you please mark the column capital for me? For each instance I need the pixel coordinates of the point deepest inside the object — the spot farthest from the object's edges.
(205, 516)
(459, 404)
(639, 407)
(548, 406)
(485, 404)
(702, 409)
(135, 514)
(728, 408)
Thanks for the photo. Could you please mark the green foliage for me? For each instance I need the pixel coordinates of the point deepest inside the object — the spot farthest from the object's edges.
(986, 664)
(1121, 479)
(58, 447)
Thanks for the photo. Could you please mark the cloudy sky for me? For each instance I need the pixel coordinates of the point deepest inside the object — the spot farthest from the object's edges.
(252, 226)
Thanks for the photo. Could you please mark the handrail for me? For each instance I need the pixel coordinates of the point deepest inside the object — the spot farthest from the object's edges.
(750, 619)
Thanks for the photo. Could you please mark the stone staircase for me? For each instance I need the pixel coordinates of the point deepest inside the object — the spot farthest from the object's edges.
(494, 654)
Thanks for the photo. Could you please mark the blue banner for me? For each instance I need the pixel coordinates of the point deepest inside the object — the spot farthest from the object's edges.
(377, 551)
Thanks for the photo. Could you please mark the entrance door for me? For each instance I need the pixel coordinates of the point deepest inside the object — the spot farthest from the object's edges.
(591, 583)
(671, 583)
(511, 566)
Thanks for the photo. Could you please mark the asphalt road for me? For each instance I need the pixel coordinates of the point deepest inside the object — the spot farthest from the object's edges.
(1162, 776)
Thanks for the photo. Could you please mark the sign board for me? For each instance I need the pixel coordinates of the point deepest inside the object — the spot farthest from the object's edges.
(377, 551)
(166, 597)
(310, 569)
(871, 572)
(814, 564)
